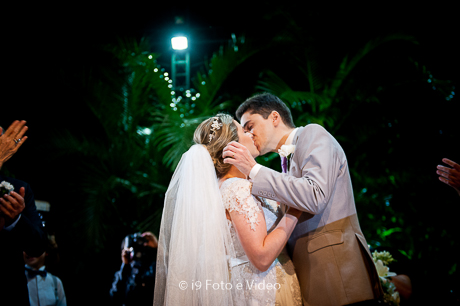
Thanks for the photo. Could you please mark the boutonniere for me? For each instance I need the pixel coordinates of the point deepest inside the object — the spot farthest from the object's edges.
(286, 150)
(5, 188)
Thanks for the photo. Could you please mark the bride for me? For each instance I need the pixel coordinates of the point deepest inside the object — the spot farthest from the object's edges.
(218, 244)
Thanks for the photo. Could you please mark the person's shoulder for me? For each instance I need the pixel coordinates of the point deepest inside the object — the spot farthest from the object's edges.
(314, 128)
(235, 183)
(56, 280)
(311, 131)
(235, 189)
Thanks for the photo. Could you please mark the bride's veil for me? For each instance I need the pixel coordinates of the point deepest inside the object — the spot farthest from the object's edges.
(195, 243)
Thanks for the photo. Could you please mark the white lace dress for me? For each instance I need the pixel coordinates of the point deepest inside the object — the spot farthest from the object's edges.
(279, 284)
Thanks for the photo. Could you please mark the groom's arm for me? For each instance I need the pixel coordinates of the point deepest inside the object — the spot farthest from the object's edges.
(319, 157)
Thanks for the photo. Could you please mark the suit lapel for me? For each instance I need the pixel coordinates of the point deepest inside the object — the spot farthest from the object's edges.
(297, 135)
(294, 142)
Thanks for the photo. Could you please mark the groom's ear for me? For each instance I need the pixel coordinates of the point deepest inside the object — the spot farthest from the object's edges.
(275, 118)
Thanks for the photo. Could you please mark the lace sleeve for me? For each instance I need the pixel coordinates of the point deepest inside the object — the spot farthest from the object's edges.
(237, 197)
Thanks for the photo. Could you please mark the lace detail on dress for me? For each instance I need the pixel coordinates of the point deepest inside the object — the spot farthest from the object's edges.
(278, 286)
(236, 195)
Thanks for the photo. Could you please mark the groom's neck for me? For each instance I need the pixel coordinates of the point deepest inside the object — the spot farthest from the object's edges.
(284, 136)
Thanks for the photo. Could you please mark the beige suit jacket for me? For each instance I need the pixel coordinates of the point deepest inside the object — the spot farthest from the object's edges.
(329, 251)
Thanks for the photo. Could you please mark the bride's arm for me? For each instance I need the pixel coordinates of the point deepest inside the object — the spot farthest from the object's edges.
(262, 249)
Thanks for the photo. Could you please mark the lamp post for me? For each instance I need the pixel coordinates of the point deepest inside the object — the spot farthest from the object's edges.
(180, 63)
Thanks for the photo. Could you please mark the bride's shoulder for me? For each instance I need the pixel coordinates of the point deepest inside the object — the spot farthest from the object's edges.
(236, 189)
(236, 196)
(236, 183)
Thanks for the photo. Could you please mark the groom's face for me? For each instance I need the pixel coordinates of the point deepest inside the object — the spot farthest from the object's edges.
(246, 140)
(260, 129)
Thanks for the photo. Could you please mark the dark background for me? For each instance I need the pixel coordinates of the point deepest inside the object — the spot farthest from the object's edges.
(47, 49)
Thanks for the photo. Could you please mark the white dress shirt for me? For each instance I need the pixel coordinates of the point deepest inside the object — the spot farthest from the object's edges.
(42, 290)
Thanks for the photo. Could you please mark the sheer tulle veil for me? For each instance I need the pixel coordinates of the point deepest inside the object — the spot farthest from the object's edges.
(195, 244)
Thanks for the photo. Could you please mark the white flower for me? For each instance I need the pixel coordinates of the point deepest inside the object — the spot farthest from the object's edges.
(216, 125)
(285, 150)
(383, 270)
(7, 186)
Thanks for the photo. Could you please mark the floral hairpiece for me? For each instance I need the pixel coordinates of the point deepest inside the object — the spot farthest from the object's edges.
(214, 127)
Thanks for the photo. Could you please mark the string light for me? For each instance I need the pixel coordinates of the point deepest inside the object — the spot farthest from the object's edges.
(176, 96)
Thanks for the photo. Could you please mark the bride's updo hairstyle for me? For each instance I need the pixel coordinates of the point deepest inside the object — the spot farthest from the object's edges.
(215, 133)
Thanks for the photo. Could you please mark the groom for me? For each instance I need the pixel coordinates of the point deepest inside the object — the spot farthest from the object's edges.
(329, 251)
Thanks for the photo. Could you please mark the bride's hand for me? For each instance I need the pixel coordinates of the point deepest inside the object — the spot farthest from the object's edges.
(294, 212)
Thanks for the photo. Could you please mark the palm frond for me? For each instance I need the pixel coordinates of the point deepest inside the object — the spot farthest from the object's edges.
(173, 129)
(347, 65)
(209, 81)
(296, 100)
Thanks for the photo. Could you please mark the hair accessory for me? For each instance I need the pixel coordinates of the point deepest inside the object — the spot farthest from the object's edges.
(214, 127)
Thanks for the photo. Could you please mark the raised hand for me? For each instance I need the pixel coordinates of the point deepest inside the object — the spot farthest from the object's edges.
(151, 239)
(12, 140)
(12, 205)
(450, 176)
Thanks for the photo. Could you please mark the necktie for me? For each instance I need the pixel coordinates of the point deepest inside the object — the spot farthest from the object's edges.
(284, 164)
(33, 273)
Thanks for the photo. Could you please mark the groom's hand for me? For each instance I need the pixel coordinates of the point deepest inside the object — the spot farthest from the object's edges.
(239, 156)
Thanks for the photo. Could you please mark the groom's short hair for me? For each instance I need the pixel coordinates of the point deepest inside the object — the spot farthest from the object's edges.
(263, 104)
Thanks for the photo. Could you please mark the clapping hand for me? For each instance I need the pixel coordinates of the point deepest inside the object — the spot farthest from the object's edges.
(450, 176)
(11, 140)
(11, 206)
